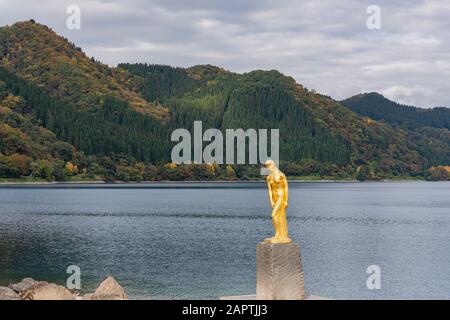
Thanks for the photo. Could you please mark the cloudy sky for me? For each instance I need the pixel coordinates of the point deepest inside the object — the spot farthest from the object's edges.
(323, 44)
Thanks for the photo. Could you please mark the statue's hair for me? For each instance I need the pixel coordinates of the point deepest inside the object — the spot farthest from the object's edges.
(270, 162)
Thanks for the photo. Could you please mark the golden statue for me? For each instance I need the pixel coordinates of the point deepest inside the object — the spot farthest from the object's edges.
(278, 196)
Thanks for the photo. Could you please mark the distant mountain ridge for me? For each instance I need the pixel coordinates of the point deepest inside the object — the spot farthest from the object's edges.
(377, 107)
(427, 129)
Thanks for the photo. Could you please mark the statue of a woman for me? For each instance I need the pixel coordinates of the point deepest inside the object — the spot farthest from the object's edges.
(278, 196)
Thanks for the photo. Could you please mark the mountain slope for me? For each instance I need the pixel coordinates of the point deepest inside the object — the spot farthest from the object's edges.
(312, 126)
(28, 149)
(34, 52)
(377, 107)
(427, 130)
(112, 128)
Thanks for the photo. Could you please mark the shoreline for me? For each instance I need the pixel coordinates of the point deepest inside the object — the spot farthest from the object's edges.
(174, 184)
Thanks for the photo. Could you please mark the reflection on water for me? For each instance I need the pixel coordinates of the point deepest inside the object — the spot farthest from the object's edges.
(188, 241)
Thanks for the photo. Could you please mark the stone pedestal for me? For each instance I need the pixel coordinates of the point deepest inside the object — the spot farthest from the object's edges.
(279, 274)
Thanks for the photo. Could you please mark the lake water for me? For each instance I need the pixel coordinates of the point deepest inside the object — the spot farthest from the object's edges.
(178, 241)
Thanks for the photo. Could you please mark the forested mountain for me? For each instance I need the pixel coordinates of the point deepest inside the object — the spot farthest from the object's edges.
(313, 126)
(36, 53)
(254, 100)
(427, 129)
(377, 107)
(116, 122)
(26, 147)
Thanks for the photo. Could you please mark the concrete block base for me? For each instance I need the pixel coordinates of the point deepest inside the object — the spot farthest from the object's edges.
(279, 274)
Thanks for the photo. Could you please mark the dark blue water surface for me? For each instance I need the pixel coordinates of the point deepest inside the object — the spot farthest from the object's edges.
(181, 241)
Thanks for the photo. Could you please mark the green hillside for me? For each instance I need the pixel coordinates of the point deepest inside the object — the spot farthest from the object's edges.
(427, 129)
(28, 149)
(377, 107)
(36, 53)
(313, 126)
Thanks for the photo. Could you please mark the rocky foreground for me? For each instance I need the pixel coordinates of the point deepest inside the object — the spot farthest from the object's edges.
(29, 289)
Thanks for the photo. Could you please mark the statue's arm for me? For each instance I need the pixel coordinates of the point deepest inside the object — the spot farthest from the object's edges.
(269, 187)
(286, 190)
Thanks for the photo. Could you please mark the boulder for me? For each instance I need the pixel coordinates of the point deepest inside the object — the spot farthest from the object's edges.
(48, 291)
(109, 289)
(29, 292)
(29, 289)
(23, 285)
(94, 296)
(8, 294)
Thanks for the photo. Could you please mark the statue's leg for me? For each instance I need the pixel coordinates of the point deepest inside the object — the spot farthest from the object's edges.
(278, 215)
(275, 226)
(281, 235)
(275, 221)
(283, 223)
(280, 225)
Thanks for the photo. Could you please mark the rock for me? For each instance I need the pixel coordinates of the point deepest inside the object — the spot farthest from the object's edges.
(48, 291)
(109, 289)
(29, 292)
(8, 294)
(89, 296)
(94, 296)
(29, 289)
(23, 285)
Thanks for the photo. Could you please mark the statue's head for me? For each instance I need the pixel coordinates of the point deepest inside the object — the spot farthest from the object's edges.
(269, 164)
